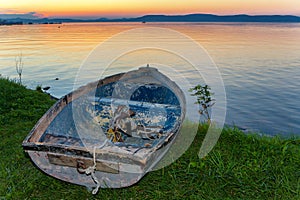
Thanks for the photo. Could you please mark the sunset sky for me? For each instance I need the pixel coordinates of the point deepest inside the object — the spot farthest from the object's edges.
(130, 8)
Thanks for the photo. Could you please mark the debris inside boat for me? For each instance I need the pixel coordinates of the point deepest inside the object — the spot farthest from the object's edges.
(111, 132)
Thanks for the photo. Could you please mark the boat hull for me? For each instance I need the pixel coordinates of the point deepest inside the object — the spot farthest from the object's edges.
(117, 164)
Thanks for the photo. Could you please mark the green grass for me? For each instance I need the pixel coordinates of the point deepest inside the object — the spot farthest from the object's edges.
(239, 167)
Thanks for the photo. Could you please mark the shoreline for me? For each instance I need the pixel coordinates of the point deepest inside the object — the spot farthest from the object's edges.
(232, 126)
(240, 166)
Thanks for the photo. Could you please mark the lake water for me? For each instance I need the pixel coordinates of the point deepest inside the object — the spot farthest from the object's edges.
(259, 63)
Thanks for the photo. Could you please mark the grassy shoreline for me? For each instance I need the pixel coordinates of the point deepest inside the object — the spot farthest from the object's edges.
(241, 166)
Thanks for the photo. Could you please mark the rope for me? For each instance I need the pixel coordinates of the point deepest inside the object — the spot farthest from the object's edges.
(91, 169)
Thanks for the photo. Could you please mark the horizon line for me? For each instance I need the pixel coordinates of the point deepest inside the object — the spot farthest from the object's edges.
(40, 16)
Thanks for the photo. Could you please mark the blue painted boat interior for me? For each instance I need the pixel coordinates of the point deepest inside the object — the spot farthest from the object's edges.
(154, 106)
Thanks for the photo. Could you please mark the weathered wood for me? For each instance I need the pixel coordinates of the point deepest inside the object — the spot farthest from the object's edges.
(84, 152)
(116, 166)
(82, 163)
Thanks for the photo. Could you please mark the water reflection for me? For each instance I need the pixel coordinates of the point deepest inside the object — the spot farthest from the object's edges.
(260, 63)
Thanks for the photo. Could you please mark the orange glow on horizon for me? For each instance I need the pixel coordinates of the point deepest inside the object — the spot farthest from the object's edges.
(124, 8)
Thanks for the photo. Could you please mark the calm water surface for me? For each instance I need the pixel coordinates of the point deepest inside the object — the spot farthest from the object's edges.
(259, 63)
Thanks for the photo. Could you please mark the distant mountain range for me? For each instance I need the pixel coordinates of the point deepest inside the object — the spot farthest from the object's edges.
(213, 18)
(167, 18)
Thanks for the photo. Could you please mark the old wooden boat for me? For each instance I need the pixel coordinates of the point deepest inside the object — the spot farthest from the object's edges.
(111, 132)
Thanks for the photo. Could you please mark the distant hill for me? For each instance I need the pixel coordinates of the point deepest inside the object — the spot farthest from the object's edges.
(5, 22)
(217, 18)
(173, 18)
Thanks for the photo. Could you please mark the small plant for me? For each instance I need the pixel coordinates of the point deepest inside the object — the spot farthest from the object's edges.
(204, 98)
(19, 67)
(39, 88)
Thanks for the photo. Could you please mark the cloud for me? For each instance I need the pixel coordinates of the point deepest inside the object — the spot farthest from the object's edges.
(8, 11)
(29, 15)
